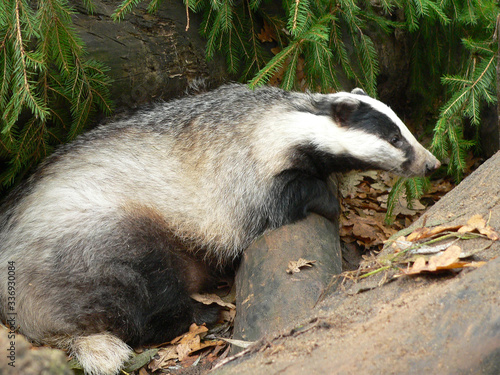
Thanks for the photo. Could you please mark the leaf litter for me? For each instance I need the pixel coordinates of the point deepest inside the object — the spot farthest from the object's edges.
(294, 266)
(364, 205)
(427, 250)
(195, 348)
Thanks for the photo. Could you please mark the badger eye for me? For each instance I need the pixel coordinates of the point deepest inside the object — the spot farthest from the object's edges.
(395, 140)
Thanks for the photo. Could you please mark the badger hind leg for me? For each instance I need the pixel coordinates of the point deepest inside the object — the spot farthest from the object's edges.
(100, 354)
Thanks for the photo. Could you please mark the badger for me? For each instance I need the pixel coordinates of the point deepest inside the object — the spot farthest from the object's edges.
(114, 231)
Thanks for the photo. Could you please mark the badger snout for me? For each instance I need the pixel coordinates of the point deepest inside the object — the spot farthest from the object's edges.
(426, 162)
(431, 166)
(423, 163)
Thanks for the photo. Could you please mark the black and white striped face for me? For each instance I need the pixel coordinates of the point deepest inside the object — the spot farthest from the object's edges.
(374, 136)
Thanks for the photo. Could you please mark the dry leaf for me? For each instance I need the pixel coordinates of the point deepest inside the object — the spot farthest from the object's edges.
(349, 183)
(194, 330)
(490, 233)
(266, 33)
(476, 222)
(418, 234)
(418, 266)
(239, 343)
(228, 315)
(444, 228)
(208, 299)
(446, 260)
(184, 349)
(364, 230)
(191, 341)
(295, 266)
(166, 356)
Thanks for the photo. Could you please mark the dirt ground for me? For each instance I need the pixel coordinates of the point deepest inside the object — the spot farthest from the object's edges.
(438, 324)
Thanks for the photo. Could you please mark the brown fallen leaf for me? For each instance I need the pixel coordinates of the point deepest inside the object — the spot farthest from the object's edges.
(446, 260)
(295, 266)
(418, 234)
(419, 266)
(194, 330)
(165, 357)
(477, 223)
(266, 33)
(443, 228)
(227, 315)
(208, 299)
(191, 341)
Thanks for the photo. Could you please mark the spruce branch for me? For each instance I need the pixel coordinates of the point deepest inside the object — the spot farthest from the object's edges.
(45, 78)
(274, 64)
(456, 103)
(125, 7)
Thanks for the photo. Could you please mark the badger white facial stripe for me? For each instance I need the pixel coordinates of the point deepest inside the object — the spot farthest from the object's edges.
(152, 207)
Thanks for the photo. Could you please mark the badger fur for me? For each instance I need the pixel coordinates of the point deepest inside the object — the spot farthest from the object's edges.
(114, 231)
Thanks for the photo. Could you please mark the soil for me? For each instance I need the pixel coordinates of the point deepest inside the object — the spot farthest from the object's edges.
(412, 325)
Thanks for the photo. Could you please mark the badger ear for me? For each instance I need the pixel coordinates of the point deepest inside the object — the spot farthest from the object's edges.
(342, 110)
(358, 91)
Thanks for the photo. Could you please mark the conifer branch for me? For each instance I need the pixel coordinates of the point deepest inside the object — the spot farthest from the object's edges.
(446, 112)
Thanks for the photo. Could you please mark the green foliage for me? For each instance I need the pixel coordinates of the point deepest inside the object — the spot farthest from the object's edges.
(469, 91)
(48, 91)
(412, 188)
(460, 53)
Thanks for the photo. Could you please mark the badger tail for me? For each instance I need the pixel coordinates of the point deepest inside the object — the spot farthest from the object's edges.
(100, 354)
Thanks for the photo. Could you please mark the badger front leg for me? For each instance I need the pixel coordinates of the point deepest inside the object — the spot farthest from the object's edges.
(301, 194)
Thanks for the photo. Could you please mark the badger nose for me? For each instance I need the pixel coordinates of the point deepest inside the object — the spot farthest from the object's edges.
(432, 166)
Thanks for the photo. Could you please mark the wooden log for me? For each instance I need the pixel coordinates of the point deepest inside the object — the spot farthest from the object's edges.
(150, 56)
(268, 299)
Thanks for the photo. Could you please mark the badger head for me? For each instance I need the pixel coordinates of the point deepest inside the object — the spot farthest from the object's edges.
(374, 136)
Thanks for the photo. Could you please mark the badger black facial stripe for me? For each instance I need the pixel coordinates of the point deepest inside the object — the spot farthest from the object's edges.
(374, 122)
(308, 157)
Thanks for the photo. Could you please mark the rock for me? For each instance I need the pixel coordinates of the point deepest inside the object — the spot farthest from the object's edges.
(18, 357)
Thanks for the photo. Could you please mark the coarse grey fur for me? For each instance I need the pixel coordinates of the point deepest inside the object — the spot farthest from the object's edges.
(113, 231)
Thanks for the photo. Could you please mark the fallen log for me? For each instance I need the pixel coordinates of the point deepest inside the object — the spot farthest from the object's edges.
(268, 298)
(150, 56)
